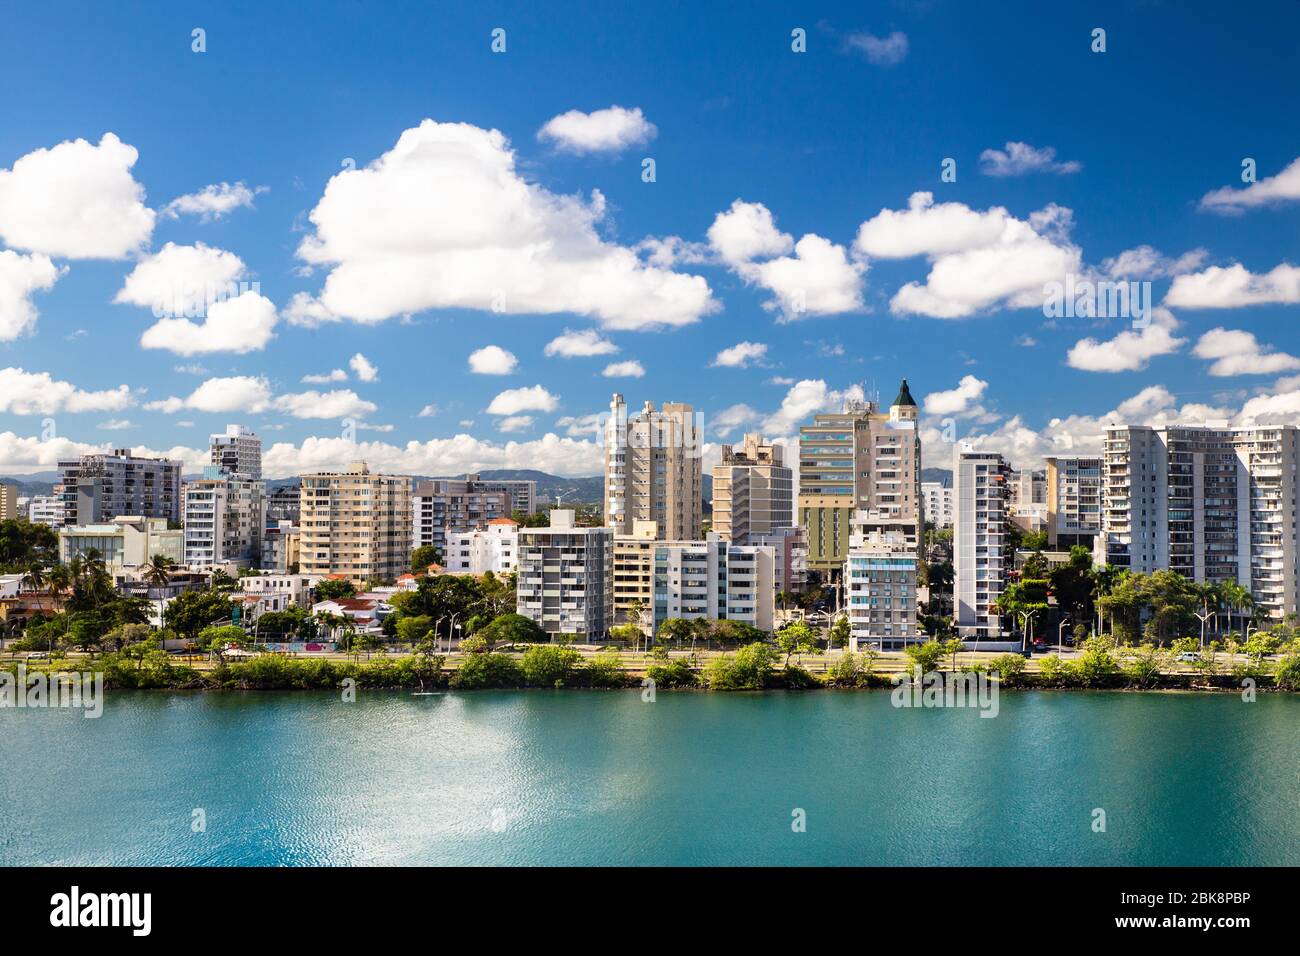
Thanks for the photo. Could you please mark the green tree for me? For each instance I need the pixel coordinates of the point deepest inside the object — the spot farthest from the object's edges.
(513, 629)
(927, 656)
(797, 638)
(674, 630)
(412, 630)
(839, 632)
(191, 611)
(217, 640)
(749, 668)
(1010, 668)
(334, 589)
(549, 665)
(423, 556)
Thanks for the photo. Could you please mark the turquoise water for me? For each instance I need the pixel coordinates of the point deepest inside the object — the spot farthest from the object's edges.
(570, 777)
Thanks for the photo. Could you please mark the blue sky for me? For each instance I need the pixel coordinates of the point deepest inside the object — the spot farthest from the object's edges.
(814, 144)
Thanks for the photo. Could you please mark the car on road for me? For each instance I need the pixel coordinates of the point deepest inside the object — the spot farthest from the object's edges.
(1187, 657)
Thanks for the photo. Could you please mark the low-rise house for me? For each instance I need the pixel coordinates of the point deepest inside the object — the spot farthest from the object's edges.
(367, 614)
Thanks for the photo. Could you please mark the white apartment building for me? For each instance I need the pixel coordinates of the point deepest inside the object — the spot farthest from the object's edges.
(237, 451)
(1214, 503)
(46, 509)
(565, 580)
(753, 491)
(494, 548)
(714, 579)
(880, 580)
(127, 541)
(653, 469)
(355, 523)
(1073, 500)
(225, 520)
(938, 503)
(980, 552)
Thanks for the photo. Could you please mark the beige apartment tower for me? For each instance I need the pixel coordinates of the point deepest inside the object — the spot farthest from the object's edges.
(8, 502)
(653, 470)
(355, 523)
(752, 491)
(859, 473)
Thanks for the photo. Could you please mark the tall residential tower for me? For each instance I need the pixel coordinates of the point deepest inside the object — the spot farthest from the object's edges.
(653, 470)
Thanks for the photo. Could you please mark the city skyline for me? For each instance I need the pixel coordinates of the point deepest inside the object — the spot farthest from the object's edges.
(798, 245)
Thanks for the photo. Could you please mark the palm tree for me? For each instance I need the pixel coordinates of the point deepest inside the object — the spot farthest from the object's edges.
(33, 579)
(59, 580)
(1237, 598)
(158, 571)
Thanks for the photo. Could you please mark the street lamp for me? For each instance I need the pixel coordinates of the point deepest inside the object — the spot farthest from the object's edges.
(1203, 616)
(1025, 618)
(1059, 641)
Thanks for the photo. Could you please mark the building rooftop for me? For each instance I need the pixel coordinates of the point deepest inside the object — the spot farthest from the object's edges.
(905, 396)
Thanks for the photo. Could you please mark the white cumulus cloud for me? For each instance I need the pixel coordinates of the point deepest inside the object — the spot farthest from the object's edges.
(76, 200)
(38, 393)
(600, 131)
(365, 370)
(629, 369)
(444, 220)
(492, 360)
(20, 277)
(741, 355)
(1273, 190)
(515, 400)
(1234, 286)
(1021, 159)
(1238, 352)
(580, 344)
(1129, 350)
(212, 202)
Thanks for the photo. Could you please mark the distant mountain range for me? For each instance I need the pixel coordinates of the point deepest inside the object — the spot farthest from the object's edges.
(582, 490)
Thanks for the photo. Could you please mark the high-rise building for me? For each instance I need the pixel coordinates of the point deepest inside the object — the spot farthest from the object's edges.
(1214, 503)
(8, 502)
(653, 470)
(753, 491)
(938, 503)
(225, 520)
(880, 581)
(713, 579)
(634, 569)
(99, 487)
(523, 491)
(859, 471)
(237, 451)
(493, 547)
(565, 581)
(355, 523)
(444, 507)
(1073, 500)
(981, 551)
(283, 504)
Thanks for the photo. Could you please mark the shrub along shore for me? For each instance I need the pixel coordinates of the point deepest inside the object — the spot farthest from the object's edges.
(757, 666)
